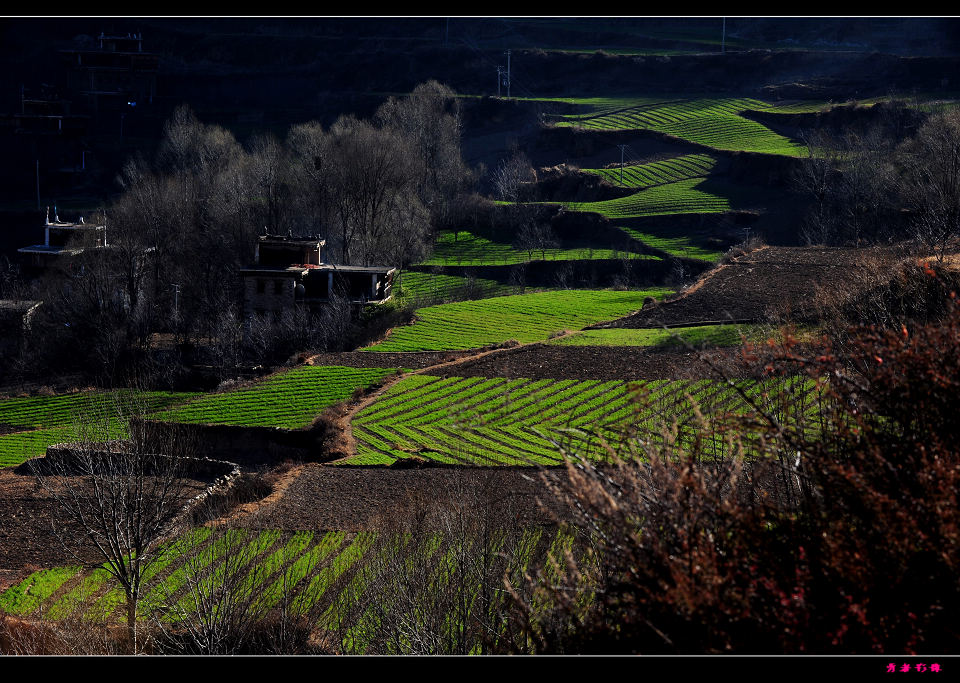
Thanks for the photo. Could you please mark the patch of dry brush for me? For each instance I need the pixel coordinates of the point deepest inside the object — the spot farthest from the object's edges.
(836, 533)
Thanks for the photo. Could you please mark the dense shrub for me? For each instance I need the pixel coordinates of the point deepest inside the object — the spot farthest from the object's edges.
(833, 530)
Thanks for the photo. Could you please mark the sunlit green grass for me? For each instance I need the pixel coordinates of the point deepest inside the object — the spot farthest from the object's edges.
(713, 122)
(22, 446)
(696, 195)
(418, 286)
(674, 242)
(714, 335)
(43, 421)
(523, 317)
(466, 249)
(640, 176)
(27, 596)
(37, 412)
(289, 400)
(478, 421)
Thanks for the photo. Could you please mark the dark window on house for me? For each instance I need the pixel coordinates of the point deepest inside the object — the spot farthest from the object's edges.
(261, 286)
(278, 286)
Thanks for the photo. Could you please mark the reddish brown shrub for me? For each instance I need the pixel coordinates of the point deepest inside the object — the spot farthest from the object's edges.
(836, 531)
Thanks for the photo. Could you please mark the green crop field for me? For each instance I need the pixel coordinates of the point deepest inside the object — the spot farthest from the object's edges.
(641, 176)
(499, 421)
(27, 596)
(696, 195)
(416, 286)
(796, 106)
(289, 400)
(324, 577)
(523, 317)
(40, 421)
(674, 242)
(714, 335)
(37, 412)
(22, 446)
(466, 249)
(713, 122)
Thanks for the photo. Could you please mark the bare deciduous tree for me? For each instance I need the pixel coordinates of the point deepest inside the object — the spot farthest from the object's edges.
(429, 118)
(373, 194)
(535, 235)
(510, 176)
(932, 165)
(852, 185)
(124, 495)
(216, 610)
(433, 580)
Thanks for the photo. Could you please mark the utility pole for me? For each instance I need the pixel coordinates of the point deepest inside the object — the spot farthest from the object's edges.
(723, 37)
(176, 301)
(508, 74)
(38, 184)
(621, 162)
(499, 79)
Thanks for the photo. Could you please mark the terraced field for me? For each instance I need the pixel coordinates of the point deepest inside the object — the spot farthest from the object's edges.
(338, 582)
(289, 400)
(524, 317)
(36, 422)
(467, 249)
(714, 335)
(416, 286)
(27, 596)
(63, 591)
(696, 195)
(713, 122)
(795, 106)
(641, 176)
(674, 242)
(499, 421)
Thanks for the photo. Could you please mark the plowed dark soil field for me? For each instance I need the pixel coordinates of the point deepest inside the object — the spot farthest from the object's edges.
(336, 498)
(544, 361)
(768, 282)
(35, 535)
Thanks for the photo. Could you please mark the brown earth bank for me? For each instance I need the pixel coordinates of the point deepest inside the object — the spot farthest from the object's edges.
(34, 535)
(344, 498)
(770, 283)
(546, 361)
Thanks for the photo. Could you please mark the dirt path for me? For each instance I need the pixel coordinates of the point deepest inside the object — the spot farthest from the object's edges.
(344, 441)
(696, 286)
(247, 510)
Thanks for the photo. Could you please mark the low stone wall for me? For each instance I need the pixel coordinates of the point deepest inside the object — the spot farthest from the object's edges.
(577, 273)
(248, 446)
(67, 458)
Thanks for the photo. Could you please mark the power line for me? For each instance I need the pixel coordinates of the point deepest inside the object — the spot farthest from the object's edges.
(514, 83)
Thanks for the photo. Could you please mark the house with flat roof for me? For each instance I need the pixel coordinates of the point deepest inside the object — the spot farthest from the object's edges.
(62, 239)
(290, 272)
